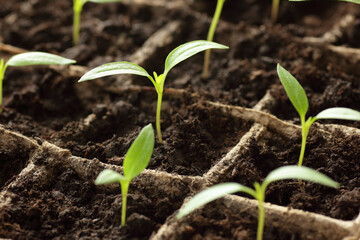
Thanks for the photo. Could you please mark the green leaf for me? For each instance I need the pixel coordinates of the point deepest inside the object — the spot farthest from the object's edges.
(294, 91)
(139, 153)
(38, 58)
(109, 176)
(296, 172)
(104, 1)
(113, 69)
(187, 50)
(339, 113)
(211, 194)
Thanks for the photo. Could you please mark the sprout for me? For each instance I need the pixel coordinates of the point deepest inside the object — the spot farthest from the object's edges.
(136, 160)
(220, 190)
(78, 5)
(210, 36)
(28, 59)
(299, 100)
(176, 56)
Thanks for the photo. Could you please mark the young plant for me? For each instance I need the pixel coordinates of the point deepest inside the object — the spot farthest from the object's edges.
(77, 7)
(176, 56)
(300, 102)
(136, 160)
(210, 36)
(28, 59)
(220, 190)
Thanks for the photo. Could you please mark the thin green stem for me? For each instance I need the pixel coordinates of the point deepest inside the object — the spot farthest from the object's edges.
(260, 196)
(305, 126)
(303, 146)
(78, 4)
(305, 130)
(210, 36)
(2, 73)
(124, 192)
(274, 11)
(158, 111)
(261, 221)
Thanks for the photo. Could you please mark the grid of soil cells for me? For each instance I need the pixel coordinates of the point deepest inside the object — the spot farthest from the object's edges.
(237, 125)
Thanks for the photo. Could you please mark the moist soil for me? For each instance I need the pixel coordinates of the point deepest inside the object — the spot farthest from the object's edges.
(98, 120)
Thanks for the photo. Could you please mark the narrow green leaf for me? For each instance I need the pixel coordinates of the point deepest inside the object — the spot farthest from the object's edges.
(187, 50)
(294, 91)
(113, 69)
(38, 58)
(104, 1)
(108, 176)
(304, 173)
(339, 113)
(211, 194)
(138, 156)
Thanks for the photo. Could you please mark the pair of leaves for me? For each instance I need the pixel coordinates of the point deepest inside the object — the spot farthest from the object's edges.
(176, 56)
(136, 159)
(282, 173)
(299, 100)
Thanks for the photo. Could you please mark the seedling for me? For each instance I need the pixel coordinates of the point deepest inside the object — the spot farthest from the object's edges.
(78, 6)
(136, 160)
(176, 56)
(210, 36)
(28, 59)
(220, 190)
(299, 100)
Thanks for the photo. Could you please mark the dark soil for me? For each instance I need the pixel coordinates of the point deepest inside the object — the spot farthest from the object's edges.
(100, 119)
(336, 157)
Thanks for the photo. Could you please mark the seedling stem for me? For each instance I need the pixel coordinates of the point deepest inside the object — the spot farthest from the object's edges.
(2, 73)
(124, 191)
(78, 5)
(274, 11)
(210, 36)
(158, 111)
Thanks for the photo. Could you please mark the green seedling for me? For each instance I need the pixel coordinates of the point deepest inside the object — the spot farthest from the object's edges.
(300, 102)
(220, 190)
(176, 56)
(77, 7)
(29, 59)
(136, 160)
(210, 36)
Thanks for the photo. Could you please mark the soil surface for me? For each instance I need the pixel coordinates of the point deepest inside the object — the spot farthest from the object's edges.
(98, 120)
